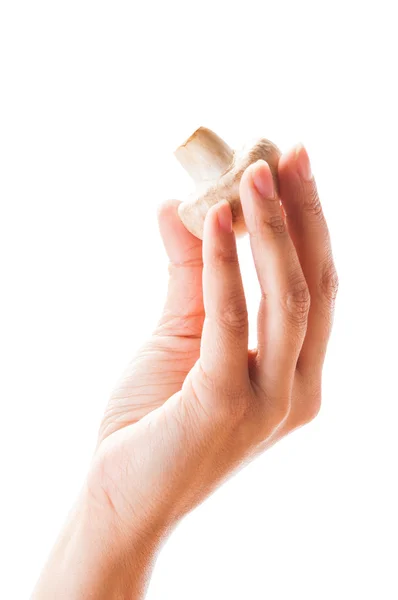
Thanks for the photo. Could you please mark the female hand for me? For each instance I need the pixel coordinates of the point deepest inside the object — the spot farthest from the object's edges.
(196, 402)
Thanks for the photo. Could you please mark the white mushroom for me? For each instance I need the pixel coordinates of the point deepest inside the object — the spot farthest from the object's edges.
(217, 170)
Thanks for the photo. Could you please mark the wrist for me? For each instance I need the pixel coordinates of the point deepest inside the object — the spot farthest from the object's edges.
(94, 558)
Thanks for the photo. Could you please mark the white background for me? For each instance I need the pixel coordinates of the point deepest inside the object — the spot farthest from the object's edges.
(94, 98)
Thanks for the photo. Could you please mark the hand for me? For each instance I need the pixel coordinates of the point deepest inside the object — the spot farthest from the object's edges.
(196, 402)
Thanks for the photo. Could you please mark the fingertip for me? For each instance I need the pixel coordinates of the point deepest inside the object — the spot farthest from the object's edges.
(303, 164)
(262, 179)
(219, 242)
(257, 186)
(209, 222)
(167, 210)
(257, 182)
(179, 243)
(224, 216)
(246, 181)
(218, 219)
(296, 162)
(259, 166)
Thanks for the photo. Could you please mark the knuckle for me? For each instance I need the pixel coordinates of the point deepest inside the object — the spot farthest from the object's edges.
(276, 224)
(230, 401)
(225, 256)
(280, 409)
(297, 301)
(269, 220)
(188, 263)
(274, 414)
(329, 282)
(311, 408)
(272, 411)
(312, 204)
(233, 317)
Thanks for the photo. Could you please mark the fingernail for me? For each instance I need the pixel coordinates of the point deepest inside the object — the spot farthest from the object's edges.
(303, 165)
(224, 216)
(262, 179)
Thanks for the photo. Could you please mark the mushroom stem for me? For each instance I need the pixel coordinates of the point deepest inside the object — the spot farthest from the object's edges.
(205, 156)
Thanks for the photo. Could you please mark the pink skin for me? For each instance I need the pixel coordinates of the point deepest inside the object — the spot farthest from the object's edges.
(195, 403)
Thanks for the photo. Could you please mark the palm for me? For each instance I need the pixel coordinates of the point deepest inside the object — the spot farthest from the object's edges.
(162, 364)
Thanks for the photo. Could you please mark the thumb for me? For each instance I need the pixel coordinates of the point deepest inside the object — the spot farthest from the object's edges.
(180, 245)
(183, 312)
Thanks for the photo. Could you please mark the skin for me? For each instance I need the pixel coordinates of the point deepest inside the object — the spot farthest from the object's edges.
(195, 403)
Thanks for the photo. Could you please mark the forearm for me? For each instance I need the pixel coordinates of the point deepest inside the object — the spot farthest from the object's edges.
(92, 560)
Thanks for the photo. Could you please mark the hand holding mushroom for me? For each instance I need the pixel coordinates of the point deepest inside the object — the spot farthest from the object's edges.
(196, 402)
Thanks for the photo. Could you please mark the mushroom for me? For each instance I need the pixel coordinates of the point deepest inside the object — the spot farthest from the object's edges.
(217, 170)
